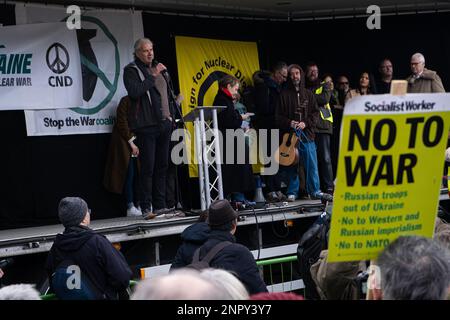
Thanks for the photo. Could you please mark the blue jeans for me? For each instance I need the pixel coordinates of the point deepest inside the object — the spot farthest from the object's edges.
(323, 141)
(309, 157)
(289, 176)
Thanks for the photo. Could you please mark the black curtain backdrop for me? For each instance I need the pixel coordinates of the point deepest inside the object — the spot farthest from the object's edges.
(338, 46)
(36, 172)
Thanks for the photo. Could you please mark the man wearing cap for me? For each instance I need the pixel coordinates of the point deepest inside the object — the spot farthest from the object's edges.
(222, 220)
(97, 259)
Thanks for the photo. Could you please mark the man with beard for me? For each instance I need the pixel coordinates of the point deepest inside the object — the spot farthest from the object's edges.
(383, 84)
(324, 128)
(298, 109)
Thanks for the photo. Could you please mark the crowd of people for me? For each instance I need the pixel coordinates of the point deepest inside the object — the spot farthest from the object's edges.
(287, 99)
(83, 264)
(290, 99)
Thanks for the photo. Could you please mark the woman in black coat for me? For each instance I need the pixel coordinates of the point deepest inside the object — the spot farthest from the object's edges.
(237, 178)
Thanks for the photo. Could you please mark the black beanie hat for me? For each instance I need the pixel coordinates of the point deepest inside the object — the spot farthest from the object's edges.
(71, 211)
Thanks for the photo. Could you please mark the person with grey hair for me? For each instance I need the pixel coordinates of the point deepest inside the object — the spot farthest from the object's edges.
(182, 284)
(442, 232)
(102, 270)
(19, 292)
(414, 268)
(151, 117)
(443, 237)
(423, 80)
(230, 286)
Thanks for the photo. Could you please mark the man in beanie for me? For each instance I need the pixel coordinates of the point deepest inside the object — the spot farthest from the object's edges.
(104, 267)
(236, 258)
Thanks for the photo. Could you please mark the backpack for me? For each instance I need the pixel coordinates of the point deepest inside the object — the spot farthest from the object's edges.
(339, 280)
(313, 241)
(59, 283)
(198, 264)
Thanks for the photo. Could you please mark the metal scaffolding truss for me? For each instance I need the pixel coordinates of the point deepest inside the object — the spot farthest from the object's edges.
(207, 151)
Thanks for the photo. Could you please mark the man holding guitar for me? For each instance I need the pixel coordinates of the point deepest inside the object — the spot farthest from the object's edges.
(297, 110)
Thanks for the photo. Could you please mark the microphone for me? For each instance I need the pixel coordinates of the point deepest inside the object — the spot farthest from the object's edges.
(155, 63)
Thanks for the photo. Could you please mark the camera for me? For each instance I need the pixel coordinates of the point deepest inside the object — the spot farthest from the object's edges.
(6, 263)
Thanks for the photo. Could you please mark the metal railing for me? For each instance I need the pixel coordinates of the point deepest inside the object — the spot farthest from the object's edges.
(277, 265)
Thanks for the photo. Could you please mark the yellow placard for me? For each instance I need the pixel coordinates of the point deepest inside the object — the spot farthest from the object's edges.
(389, 173)
(201, 63)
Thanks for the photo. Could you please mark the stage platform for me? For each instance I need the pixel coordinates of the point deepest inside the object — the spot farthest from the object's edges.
(25, 241)
(40, 239)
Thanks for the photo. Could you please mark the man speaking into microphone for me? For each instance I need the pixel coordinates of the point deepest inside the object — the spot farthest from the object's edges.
(150, 117)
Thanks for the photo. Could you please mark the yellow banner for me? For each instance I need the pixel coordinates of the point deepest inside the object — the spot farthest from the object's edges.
(390, 168)
(201, 63)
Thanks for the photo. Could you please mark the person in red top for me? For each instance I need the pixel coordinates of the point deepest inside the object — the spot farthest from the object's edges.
(237, 176)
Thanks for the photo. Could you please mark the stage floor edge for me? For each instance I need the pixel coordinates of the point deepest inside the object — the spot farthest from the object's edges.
(31, 240)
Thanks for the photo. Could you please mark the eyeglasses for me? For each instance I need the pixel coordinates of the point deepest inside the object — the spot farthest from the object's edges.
(343, 82)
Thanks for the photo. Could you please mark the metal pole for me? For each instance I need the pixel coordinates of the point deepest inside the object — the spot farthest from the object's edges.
(198, 150)
(157, 258)
(205, 158)
(218, 153)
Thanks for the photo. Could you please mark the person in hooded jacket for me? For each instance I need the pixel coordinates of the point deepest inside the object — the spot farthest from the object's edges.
(268, 87)
(236, 258)
(193, 237)
(102, 264)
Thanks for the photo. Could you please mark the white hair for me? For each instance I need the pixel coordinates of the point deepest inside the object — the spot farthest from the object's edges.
(19, 292)
(419, 56)
(181, 284)
(232, 288)
(139, 42)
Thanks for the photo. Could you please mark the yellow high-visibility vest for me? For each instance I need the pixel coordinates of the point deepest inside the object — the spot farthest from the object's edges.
(327, 106)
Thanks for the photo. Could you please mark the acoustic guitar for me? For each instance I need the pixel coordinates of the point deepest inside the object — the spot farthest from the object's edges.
(287, 153)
